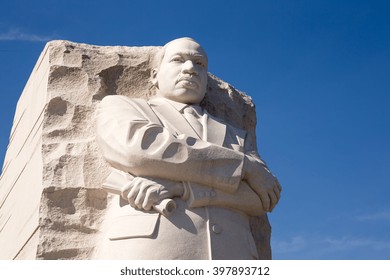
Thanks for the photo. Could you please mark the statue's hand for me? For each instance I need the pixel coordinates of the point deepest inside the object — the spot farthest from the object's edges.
(261, 180)
(142, 193)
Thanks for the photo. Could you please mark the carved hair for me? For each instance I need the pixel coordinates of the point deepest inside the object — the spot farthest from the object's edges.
(159, 56)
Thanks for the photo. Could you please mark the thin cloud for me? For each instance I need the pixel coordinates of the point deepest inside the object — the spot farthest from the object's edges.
(325, 247)
(349, 243)
(17, 35)
(295, 244)
(378, 216)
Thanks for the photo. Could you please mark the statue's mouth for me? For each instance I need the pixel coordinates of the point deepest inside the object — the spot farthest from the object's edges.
(188, 81)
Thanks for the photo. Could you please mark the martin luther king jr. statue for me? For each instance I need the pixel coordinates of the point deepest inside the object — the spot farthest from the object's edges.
(188, 182)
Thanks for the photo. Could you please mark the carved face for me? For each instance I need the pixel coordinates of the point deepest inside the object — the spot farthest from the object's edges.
(182, 75)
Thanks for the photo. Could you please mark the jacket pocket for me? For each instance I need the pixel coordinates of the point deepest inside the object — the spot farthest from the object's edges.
(133, 226)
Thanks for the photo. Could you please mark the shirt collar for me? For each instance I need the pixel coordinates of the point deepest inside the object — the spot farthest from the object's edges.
(178, 105)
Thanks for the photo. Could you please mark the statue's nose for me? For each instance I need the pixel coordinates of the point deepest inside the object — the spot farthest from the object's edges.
(188, 67)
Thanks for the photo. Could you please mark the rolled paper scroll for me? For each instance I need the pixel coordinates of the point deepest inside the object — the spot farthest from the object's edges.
(117, 180)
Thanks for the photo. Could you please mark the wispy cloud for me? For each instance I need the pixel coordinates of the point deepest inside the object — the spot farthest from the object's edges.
(295, 244)
(325, 247)
(378, 216)
(18, 35)
(349, 243)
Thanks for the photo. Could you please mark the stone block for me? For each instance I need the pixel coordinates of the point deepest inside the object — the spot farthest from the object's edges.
(51, 202)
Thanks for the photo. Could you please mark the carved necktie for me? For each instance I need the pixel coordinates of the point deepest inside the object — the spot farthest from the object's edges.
(194, 119)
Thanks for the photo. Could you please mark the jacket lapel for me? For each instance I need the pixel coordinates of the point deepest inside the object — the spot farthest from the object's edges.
(175, 121)
(171, 118)
(216, 130)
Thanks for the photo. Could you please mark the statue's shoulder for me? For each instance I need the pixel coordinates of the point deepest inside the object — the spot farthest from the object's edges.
(122, 98)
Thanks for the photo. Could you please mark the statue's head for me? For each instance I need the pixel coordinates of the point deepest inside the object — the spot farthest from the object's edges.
(180, 71)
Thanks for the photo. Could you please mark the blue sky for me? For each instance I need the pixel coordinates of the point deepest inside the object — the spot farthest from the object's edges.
(318, 72)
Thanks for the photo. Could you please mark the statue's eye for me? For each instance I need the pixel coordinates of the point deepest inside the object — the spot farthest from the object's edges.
(176, 59)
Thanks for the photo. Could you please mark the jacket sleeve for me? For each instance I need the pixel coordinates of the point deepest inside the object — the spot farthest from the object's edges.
(244, 199)
(132, 140)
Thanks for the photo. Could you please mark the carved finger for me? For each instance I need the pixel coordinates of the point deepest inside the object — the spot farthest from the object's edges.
(151, 197)
(154, 195)
(273, 200)
(278, 185)
(144, 186)
(136, 185)
(126, 189)
(265, 200)
(132, 195)
(277, 192)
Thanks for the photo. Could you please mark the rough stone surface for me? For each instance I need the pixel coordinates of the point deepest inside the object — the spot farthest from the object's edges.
(51, 202)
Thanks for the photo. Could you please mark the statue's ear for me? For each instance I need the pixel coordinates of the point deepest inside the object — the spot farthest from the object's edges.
(153, 77)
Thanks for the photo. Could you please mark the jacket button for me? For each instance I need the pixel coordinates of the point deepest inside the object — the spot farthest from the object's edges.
(216, 229)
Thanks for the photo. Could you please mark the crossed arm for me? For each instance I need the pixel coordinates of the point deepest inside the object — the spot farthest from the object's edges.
(134, 142)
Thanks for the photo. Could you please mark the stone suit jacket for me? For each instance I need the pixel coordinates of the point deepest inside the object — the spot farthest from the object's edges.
(153, 139)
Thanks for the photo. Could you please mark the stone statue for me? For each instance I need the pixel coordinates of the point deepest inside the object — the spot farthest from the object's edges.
(188, 182)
